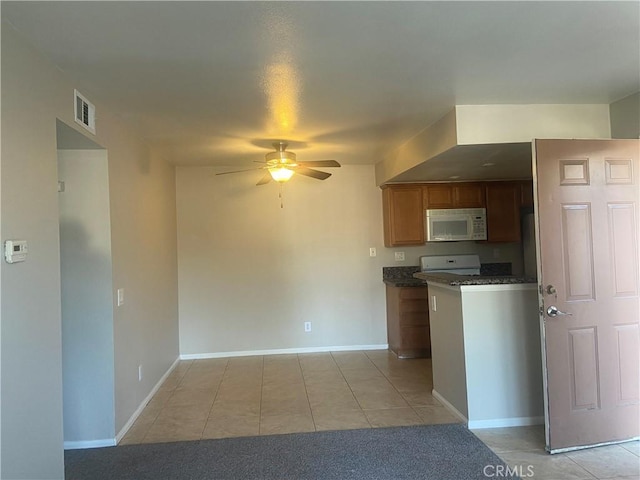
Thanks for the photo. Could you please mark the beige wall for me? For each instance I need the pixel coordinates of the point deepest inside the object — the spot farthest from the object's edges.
(430, 142)
(34, 94)
(251, 273)
(481, 124)
(503, 370)
(625, 117)
(143, 245)
(447, 347)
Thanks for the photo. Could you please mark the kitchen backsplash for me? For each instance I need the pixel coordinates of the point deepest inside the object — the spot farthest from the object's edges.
(495, 269)
(489, 253)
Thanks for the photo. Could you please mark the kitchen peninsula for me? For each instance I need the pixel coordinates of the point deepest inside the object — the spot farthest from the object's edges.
(485, 346)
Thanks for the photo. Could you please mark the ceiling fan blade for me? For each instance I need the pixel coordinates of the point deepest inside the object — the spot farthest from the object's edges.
(264, 180)
(312, 173)
(320, 163)
(238, 171)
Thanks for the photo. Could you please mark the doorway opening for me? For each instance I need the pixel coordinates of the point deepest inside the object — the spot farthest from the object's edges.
(86, 290)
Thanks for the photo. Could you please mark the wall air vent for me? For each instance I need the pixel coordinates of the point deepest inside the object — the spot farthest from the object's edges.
(85, 112)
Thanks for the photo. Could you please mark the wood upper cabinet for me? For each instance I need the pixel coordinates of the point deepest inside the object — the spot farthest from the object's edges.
(438, 196)
(454, 195)
(403, 207)
(468, 195)
(403, 215)
(503, 211)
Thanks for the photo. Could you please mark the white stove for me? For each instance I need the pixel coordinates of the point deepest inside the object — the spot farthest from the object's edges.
(455, 264)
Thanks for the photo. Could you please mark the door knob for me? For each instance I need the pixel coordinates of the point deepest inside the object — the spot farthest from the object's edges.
(553, 311)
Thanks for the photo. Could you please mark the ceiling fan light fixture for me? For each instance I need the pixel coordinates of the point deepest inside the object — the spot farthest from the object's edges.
(280, 155)
(282, 164)
(281, 174)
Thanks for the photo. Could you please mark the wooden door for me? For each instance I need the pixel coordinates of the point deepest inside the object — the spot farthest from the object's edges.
(588, 201)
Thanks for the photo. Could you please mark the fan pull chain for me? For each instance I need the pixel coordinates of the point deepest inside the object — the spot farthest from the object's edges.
(280, 195)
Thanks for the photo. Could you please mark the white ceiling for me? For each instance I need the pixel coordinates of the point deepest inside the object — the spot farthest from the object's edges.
(211, 83)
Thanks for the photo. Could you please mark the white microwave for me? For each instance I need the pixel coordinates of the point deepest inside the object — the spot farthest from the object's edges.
(456, 224)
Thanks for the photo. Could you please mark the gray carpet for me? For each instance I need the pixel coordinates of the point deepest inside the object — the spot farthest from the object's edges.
(428, 452)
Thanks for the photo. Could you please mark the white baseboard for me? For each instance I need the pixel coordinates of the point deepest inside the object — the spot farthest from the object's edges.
(282, 351)
(492, 423)
(144, 402)
(506, 422)
(448, 406)
(106, 442)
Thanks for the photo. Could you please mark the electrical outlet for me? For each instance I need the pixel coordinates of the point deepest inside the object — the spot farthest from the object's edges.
(307, 326)
(372, 252)
(139, 373)
(496, 253)
(434, 306)
(120, 297)
(399, 256)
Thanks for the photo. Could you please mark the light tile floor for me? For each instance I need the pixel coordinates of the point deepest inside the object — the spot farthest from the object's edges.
(267, 395)
(521, 447)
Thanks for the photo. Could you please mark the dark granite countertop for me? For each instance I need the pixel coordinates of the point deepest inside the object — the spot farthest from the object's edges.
(491, 274)
(402, 277)
(405, 282)
(459, 280)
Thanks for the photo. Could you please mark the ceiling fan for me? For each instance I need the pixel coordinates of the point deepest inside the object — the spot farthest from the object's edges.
(282, 164)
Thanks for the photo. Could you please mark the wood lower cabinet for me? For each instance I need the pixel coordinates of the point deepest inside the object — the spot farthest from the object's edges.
(403, 215)
(503, 211)
(408, 321)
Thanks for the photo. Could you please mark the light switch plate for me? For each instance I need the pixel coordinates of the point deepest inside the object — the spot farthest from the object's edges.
(120, 297)
(372, 252)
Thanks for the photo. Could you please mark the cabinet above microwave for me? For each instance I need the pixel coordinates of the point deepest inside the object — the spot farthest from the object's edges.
(453, 195)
